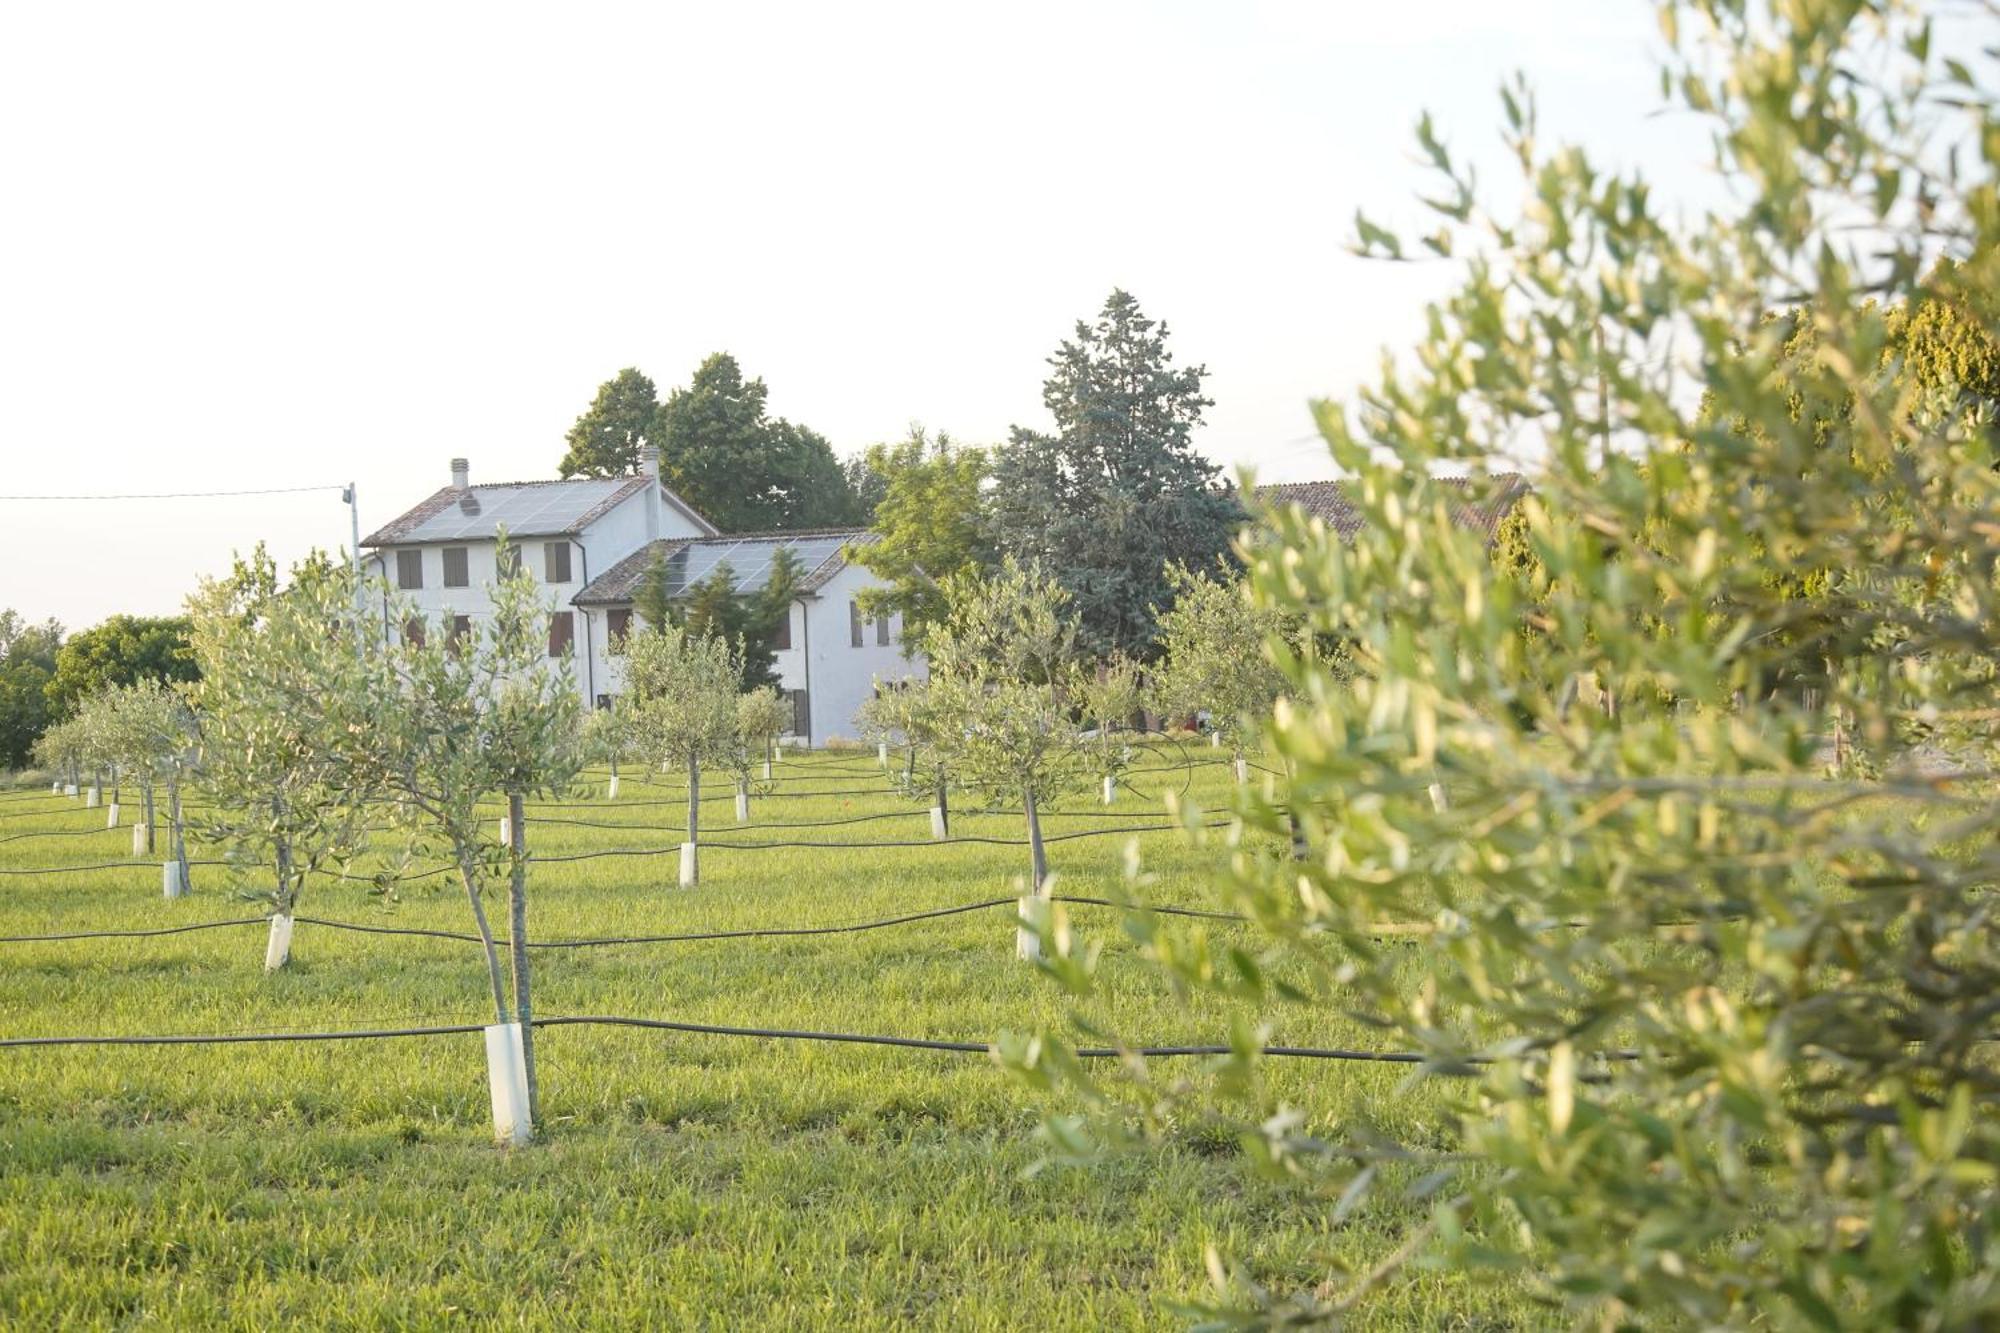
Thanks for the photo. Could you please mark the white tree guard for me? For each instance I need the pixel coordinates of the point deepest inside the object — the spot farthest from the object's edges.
(278, 950)
(507, 1077)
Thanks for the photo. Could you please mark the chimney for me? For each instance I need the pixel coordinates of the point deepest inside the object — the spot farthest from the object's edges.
(461, 473)
(649, 466)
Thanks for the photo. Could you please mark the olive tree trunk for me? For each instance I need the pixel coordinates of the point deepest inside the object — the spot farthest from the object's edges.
(469, 875)
(517, 946)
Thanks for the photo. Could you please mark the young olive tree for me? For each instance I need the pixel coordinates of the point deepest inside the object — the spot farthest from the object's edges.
(60, 750)
(905, 713)
(606, 739)
(1214, 661)
(680, 689)
(1113, 694)
(457, 717)
(101, 746)
(1006, 687)
(760, 715)
(289, 680)
(149, 731)
(1710, 1005)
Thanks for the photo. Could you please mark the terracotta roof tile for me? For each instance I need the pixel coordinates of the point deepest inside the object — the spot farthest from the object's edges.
(1331, 502)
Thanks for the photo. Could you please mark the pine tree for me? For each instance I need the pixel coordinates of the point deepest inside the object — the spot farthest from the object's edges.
(1117, 494)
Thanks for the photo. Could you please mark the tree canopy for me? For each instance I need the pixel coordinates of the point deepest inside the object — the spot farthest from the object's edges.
(607, 438)
(1116, 493)
(723, 453)
(932, 523)
(123, 650)
(27, 662)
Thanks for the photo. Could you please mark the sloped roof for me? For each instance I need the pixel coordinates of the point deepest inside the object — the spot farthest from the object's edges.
(525, 508)
(748, 555)
(1332, 502)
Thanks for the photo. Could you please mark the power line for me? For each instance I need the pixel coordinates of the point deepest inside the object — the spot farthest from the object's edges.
(186, 495)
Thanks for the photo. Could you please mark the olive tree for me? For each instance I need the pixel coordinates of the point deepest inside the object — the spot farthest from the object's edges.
(905, 713)
(290, 676)
(1212, 660)
(760, 715)
(1113, 695)
(1708, 1004)
(680, 689)
(606, 738)
(1006, 685)
(458, 717)
(60, 750)
(148, 730)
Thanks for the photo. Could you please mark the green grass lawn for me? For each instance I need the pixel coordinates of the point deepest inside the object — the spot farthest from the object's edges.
(682, 1179)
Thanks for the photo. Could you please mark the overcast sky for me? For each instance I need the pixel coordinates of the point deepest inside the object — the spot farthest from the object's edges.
(279, 245)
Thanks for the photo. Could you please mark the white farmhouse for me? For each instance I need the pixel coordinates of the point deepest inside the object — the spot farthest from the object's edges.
(590, 541)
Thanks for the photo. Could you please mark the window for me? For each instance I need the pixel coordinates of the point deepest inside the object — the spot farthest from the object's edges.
(507, 560)
(456, 574)
(409, 569)
(555, 561)
(781, 637)
(617, 624)
(413, 631)
(801, 713)
(881, 631)
(854, 624)
(562, 632)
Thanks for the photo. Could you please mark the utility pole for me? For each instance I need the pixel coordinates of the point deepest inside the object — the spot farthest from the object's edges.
(354, 554)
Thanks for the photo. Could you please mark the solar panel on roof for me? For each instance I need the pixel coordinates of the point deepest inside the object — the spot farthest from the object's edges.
(523, 510)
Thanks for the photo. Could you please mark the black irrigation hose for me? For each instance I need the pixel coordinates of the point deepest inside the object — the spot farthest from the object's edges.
(756, 932)
(104, 865)
(863, 846)
(681, 828)
(65, 832)
(713, 1030)
(968, 839)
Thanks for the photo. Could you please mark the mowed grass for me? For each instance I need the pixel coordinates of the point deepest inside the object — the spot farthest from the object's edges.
(684, 1180)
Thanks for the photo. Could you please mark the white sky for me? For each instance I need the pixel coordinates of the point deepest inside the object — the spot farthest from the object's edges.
(272, 246)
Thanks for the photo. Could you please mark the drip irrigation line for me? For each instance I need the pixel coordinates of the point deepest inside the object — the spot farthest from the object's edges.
(967, 839)
(235, 1038)
(66, 832)
(590, 942)
(1382, 929)
(880, 845)
(712, 1030)
(105, 865)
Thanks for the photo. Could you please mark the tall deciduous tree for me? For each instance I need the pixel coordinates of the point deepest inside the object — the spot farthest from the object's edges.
(27, 661)
(1117, 493)
(607, 438)
(747, 471)
(931, 522)
(121, 651)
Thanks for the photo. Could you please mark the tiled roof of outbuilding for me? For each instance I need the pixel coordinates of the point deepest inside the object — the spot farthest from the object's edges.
(1331, 502)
